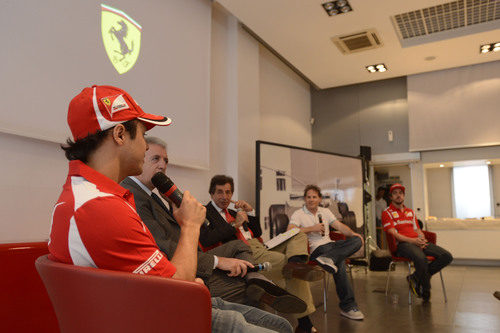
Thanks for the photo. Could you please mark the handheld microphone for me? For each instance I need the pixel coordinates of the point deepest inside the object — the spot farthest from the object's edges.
(166, 186)
(320, 218)
(265, 266)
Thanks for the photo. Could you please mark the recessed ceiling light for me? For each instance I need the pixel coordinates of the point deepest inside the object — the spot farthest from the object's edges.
(336, 7)
(492, 47)
(376, 68)
(488, 162)
(441, 165)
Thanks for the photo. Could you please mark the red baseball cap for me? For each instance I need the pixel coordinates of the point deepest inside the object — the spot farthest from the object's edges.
(98, 108)
(395, 186)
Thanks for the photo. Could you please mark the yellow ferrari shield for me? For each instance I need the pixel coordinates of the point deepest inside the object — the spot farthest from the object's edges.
(121, 36)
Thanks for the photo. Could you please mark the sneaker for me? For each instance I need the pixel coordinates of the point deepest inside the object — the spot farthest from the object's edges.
(412, 283)
(327, 263)
(354, 314)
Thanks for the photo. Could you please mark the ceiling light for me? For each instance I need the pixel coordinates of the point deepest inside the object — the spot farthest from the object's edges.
(492, 47)
(333, 8)
(345, 9)
(376, 68)
(441, 165)
(488, 162)
(329, 5)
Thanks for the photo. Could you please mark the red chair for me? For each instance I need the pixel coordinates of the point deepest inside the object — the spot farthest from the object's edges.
(392, 244)
(97, 300)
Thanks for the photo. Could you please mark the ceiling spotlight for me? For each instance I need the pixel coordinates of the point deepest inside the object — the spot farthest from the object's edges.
(333, 8)
(492, 47)
(488, 162)
(441, 165)
(345, 9)
(376, 68)
(329, 6)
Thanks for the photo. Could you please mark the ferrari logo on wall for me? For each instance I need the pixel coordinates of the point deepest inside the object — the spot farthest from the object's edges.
(121, 36)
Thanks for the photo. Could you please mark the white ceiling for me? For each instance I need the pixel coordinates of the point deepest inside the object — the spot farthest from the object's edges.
(300, 31)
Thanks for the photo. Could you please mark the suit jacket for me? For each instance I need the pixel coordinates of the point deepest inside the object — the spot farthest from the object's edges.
(220, 231)
(163, 227)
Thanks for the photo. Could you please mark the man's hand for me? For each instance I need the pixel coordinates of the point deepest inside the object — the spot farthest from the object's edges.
(191, 213)
(358, 235)
(320, 227)
(235, 267)
(420, 242)
(240, 218)
(241, 204)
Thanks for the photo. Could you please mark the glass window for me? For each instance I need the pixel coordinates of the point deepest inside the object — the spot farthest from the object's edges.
(471, 190)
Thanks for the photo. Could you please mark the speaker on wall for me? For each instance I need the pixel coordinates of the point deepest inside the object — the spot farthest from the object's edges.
(366, 152)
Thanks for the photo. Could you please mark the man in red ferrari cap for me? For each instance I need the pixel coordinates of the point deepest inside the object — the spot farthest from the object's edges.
(401, 222)
(95, 223)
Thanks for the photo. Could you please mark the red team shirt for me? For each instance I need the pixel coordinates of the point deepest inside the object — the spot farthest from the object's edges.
(95, 224)
(404, 221)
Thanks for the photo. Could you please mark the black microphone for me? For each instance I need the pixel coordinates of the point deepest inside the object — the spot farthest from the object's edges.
(265, 266)
(320, 218)
(166, 186)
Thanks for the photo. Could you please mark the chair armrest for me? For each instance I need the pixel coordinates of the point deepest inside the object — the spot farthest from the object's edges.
(430, 236)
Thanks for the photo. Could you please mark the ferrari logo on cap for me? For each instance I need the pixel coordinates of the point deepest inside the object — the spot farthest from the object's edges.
(114, 104)
(121, 36)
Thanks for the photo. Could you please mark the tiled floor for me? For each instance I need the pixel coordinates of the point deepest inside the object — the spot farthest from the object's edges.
(471, 306)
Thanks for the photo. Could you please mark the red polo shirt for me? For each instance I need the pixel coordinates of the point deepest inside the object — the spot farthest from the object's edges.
(404, 221)
(94, 224)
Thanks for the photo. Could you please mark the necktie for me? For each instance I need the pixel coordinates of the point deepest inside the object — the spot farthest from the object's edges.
(160, 202)
(229, 219)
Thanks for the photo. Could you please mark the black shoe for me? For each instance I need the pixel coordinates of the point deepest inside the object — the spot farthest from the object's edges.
(497, 294)
(414, 287)
(426, 295)
(274, 296)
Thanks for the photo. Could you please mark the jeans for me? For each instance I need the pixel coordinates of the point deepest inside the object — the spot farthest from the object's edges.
(230, 317)
(338, 251)
(423, 269)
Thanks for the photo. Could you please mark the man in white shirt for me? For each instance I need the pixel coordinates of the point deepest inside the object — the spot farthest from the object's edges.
(314, 221)
(380, 206)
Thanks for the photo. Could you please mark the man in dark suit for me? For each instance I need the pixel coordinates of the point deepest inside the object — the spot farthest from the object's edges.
(288, 259)
(224, 268)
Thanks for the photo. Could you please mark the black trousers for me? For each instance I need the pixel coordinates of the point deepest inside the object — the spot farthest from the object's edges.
(424, 269)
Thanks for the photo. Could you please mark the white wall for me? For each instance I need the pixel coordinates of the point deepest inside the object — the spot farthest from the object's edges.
(34, 171)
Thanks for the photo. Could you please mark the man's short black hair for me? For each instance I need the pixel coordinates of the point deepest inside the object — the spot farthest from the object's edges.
(220, 180)
(314, 188)
(81, 149)
(381, 188)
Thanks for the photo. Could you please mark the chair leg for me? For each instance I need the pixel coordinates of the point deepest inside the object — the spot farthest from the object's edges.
(442, 285)
(388, 276)
(409, 289)
(325, 290)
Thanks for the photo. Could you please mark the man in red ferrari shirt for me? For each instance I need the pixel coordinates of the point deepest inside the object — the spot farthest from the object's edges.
(95, 223)
(401, 222)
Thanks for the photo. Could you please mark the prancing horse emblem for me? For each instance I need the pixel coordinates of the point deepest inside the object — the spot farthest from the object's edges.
(121, 36)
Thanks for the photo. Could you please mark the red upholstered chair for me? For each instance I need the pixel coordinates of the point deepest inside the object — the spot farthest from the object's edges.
(392, 244)
(96, 300)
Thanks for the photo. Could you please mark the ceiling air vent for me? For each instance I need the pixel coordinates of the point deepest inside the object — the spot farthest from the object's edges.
(448, 20)
(361, 41)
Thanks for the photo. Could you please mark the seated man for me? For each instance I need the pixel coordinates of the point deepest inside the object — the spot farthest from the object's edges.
(94, 222)
(314, 221)
(213, 266)
(401, 222)
(287, 259)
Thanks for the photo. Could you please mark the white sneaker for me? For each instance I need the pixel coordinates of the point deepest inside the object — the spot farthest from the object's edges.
(354, 314)
(327, 263)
